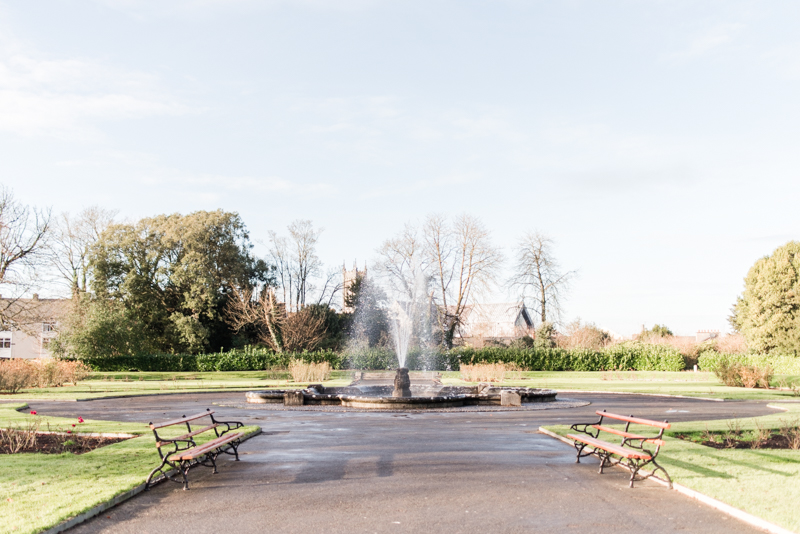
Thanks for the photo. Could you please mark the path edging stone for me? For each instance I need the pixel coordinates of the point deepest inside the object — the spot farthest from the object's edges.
(732, 511)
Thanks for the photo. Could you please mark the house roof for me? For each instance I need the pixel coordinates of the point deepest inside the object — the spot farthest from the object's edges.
(25, 312)
(504, 312)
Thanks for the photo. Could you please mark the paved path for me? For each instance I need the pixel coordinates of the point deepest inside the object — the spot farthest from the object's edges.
(320, 472)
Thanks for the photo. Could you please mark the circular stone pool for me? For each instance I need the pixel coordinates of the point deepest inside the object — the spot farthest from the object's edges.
(380, 397)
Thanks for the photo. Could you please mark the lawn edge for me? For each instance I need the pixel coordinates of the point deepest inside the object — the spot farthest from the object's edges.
(725, 508)
(118, 499)
(126, 396)
(647, 394)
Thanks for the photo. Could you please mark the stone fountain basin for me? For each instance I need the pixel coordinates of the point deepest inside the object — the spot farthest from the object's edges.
(380, 397)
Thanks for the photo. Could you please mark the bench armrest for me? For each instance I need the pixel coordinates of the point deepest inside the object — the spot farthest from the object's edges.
(229, 425)
(587, 428)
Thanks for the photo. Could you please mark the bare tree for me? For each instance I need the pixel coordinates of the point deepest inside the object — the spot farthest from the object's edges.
(402, 258)
(538, 276)
(261, 310)
(306, 264)
(296, 263)
(23, 243)
(73, 238)
(463, 261)
(332, 285)
(283, 333)
(303, 331)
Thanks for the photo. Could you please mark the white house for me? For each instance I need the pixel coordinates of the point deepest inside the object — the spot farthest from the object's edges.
(30, 326)
(508, 320)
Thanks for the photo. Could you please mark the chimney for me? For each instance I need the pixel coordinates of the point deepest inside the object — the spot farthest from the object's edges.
(36, 297)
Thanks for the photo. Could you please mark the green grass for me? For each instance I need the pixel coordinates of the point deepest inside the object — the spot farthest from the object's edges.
(38, 491)
(762, 482)
(99, 385)
(701, 384)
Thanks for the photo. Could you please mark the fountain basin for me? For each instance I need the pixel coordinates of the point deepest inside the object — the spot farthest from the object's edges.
(379, 397)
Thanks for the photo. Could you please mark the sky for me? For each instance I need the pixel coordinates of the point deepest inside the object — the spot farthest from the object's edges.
(655, 142)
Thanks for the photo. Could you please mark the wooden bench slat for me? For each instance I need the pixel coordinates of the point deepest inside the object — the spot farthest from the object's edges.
(186, 436)
(627, 434)
(191, 454)
(181, 420)
(635, 420)
(610, 447)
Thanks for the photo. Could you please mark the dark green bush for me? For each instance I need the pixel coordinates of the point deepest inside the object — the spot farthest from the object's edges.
(247, 359)
(636, 356)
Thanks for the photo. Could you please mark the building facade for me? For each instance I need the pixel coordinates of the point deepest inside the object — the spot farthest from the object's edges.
(29, 326)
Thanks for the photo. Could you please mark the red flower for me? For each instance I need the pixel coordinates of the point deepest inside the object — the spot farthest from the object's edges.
(69, 431)
(80, 419)
(33, 412)
(73, 424)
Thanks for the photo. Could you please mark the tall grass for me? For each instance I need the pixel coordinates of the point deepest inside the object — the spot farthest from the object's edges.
(309, 372)
(490, 372)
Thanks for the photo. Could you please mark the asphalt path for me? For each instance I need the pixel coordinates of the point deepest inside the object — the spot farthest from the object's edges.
(334, 472)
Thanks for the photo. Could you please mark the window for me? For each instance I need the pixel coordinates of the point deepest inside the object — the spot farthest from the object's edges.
(5, 342)
(48, 327)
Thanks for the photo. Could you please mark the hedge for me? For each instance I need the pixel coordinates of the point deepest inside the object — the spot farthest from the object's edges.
(247, 359)
(781, 364)
(636, 356)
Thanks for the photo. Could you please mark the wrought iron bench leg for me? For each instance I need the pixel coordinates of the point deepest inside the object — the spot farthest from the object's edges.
(579, 447)
(185, 465)
(603, 460)
(160, 468)
(659, 468)
(634, 466)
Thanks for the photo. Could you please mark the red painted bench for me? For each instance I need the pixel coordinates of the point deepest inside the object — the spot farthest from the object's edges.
(184, 453)
(634, 450)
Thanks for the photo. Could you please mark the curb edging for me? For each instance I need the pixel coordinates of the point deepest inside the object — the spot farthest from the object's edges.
(741, 515)
(645, 394)
(102, 507)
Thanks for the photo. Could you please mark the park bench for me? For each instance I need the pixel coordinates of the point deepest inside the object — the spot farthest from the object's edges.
(182, 452)
(634, 451)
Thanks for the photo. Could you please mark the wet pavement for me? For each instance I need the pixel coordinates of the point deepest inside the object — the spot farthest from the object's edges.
(322, 471)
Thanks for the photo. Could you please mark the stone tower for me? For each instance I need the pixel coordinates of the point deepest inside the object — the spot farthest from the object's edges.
(348, 277)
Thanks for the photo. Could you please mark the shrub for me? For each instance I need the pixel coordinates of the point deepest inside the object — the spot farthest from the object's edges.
(735, 374)
(779, 363)
(583, 336)
(19, 437)
(246, 359)
(632, 355)
(55, 373)
(370, 358)
(18, 373)
(15, 375)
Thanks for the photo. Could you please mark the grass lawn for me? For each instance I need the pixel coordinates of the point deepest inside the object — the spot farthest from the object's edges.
(98, 385)
(38, 491)
(762, 482)
(700, 384)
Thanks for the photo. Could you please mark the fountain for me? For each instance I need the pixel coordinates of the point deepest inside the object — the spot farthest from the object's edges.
(402, 383)
(403, 389)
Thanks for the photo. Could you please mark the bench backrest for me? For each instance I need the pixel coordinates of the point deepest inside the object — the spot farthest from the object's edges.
(634, 420)
(181, 420)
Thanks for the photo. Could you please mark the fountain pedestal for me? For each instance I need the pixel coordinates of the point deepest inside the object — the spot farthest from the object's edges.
(402, 383)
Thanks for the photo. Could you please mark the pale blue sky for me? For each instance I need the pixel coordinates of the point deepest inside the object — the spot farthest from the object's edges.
(655, 141)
